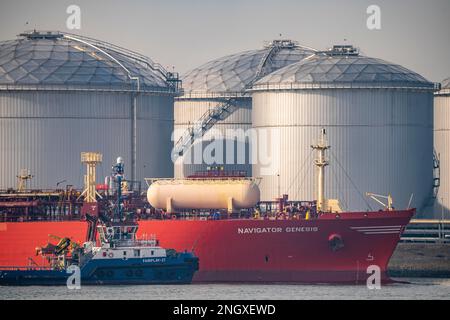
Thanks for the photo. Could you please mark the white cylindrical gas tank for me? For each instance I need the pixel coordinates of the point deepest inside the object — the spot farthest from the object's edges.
(203, 194)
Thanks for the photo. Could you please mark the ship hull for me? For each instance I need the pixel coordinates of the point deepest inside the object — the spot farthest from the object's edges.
(135, 271)
(250, 250)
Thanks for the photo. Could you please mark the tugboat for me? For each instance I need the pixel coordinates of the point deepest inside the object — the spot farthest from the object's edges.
(119, 259)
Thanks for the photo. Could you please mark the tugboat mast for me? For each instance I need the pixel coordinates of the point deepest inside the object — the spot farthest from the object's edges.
(321, 162)
(117, 174)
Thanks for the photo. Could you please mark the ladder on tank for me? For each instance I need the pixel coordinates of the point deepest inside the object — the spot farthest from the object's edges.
(436, 174)
(219, 113)
(433, 193)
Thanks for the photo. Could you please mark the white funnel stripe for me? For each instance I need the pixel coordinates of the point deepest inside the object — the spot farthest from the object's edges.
(382, 232)
(375, 227)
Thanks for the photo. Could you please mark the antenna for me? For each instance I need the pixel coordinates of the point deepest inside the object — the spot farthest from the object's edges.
(118, 176)
(410, 200)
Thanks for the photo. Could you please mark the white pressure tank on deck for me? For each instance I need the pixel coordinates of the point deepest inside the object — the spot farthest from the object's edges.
(203, 194)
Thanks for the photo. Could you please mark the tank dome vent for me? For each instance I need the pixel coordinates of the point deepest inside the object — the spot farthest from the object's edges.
(342, 50)
(41, 34)
(282, 43)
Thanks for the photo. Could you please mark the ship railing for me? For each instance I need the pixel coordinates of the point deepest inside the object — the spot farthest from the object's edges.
(137, 243)
(24, 268)
(427, 230)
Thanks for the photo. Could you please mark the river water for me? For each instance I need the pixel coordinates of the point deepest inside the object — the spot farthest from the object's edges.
(415, 289)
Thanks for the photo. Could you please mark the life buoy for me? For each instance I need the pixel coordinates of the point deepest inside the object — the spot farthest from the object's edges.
(174, 217)
(335, 242)
(110, 254)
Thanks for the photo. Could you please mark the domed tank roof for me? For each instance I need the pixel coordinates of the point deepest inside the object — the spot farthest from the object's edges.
(342, 67)
(233, 74)
(64, 61)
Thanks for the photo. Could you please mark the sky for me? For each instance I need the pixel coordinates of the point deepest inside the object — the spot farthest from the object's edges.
(183, 34)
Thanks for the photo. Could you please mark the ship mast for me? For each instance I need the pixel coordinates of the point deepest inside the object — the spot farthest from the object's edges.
(321, 162)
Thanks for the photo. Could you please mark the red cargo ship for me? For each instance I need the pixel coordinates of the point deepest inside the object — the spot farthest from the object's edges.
(262, 250)
(309, 242)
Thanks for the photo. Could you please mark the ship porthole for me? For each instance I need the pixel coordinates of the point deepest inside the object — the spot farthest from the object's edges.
(129, 273)
(110, 274)
(100, 274)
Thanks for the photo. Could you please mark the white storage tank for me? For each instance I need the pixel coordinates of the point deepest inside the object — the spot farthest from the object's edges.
(219, 86)
(379, 120)
(63, 94)
(442, 149)
(231, 194)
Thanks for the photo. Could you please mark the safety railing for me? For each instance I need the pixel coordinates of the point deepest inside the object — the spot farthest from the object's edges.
(421, 230)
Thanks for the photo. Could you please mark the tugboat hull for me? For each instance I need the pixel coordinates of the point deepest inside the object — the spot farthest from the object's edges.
(179, 270)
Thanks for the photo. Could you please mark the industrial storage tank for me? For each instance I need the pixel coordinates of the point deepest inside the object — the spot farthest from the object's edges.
(231, 194)
(379, 121)
(442, 149)
(215, 103)
(62, 94)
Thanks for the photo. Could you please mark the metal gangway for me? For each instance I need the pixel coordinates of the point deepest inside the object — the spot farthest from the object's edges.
(219, 113)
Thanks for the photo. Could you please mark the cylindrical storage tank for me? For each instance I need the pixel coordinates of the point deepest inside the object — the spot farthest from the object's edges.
(442, 149)
(379, 122)
(223, 82)
(63, 94)
(216, 194)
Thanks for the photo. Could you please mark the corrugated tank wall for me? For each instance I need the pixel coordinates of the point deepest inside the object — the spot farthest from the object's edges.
(381, 140)
(45, 131)
(442, 147)
(187, 111)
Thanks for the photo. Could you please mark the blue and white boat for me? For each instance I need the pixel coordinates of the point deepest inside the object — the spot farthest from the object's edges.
(120, 258)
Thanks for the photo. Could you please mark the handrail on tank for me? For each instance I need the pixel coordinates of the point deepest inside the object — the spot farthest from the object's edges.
(150, 181)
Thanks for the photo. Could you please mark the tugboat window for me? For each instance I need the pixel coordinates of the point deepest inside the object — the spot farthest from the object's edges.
(137, 252)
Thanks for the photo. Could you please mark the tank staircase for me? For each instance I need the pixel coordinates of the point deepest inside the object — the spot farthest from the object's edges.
(228, 106)
(219, 113)
(266, 61)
